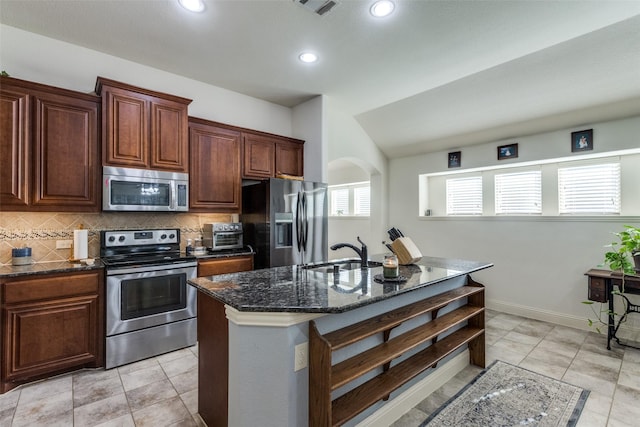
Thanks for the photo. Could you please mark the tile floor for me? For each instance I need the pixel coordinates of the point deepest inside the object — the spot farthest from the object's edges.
(162, 391)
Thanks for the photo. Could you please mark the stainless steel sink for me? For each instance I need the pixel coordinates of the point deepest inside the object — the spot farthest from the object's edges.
(328, 267)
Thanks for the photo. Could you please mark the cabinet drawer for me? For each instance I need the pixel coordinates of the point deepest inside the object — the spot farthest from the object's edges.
(597, 289)
(225, 265)
(47, 287)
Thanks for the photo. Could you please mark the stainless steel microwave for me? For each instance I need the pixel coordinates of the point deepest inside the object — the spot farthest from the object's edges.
(128, 189)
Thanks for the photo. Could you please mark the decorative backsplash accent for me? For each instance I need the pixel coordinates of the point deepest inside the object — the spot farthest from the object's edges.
(41, 230)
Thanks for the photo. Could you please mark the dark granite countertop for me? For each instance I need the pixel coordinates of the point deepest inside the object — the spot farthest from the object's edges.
(46, 268)
(302, 290)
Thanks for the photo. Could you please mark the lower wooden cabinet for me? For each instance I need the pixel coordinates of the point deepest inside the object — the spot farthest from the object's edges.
(210, 267)
(51, 324)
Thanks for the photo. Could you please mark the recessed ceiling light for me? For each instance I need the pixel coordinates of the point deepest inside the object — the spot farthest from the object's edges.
(382, 8)
(192, 5)
(308, 57)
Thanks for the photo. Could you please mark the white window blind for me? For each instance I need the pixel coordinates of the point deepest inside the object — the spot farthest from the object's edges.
(519, 193)
(351, 199)
(361, 200)
(340, 201)
(592, 189)
(464, 196)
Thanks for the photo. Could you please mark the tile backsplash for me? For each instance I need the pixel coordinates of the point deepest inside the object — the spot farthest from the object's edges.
(41, 230)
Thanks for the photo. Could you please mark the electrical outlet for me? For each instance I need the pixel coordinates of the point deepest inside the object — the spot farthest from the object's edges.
(63, 244)
(301, 356)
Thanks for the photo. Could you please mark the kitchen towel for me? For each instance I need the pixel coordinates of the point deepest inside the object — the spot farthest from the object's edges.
(80, 244)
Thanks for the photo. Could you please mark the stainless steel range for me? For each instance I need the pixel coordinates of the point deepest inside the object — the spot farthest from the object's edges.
(150, 307)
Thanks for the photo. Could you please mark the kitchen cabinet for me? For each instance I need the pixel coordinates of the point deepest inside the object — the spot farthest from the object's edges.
(142, 128)
(51, 323)
(267, 156)
(44, 130)
(215, 183)
(213, 266)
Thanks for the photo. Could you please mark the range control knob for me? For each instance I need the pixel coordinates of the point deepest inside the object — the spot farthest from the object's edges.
(172, 236)
(164, 236)
(111, 239)
(121, 239)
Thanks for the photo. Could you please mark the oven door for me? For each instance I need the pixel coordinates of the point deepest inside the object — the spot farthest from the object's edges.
(142, 297)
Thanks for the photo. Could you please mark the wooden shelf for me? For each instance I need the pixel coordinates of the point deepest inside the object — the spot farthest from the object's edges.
(466, 322)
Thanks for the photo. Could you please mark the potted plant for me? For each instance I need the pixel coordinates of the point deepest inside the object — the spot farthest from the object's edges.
(628, 246)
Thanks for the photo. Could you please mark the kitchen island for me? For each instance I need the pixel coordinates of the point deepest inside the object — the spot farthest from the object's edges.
(254, 330)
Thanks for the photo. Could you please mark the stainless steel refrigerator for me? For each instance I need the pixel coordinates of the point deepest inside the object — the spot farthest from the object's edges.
(285, 221)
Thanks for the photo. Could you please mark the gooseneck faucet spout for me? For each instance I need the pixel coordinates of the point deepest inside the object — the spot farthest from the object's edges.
(362, 252)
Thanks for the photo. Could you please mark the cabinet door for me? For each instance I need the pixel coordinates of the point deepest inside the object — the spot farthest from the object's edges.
(65, 153)
(259, 156)
(289, 158)
(51, 336)
(212, 267)
(214, 169)
(126, 129)
(169, 135)
(14, 148)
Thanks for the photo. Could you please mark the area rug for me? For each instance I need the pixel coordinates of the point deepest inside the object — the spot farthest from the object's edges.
(507, 395)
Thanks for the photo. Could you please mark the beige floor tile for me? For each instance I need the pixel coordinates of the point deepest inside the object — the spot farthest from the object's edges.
(543, 367)
(492, 354)
(163, 413)
(567, 350)
(180, 365)
(534, 328)
(565, 335)
(52, 410)
(190, 400)
(136, 366)
(513, 346)
(518, 337)
(590, 382)
(104, 386)
(123, 421)
(598, 404)
(43, 389)
(185, 381)
(590, 419)
(150, 394)
(505, 321)
(141, 377)
(101, 411)
(413, 418)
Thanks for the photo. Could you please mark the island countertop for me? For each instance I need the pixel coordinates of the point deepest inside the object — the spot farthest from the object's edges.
(296, 289)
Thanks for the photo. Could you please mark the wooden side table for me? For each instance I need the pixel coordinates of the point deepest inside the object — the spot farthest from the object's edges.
(602, 284)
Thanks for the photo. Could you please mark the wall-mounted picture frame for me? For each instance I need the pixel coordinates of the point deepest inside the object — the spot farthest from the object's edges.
(582, 140)
(507, 151)
(455, 159)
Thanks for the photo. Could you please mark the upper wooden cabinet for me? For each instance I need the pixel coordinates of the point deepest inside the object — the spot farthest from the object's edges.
(49, 148)
(142, 128)
(214, 167)
(267, 156)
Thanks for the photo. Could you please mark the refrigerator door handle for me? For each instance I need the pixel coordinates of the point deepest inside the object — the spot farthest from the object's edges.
(305, 222)
(298, 222)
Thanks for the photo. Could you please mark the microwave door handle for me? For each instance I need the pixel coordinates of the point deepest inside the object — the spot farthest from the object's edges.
(173, 202)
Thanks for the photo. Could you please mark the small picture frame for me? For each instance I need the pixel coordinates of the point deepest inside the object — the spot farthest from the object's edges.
(455, 159)
(582, 140)
(508, 151)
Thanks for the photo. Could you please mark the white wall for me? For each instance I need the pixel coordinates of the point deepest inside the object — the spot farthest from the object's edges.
(29, 56)
(348, 141)
(309, 125)
(539, 262)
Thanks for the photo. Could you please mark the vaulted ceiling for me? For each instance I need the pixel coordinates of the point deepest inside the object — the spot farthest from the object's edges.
(434, 75)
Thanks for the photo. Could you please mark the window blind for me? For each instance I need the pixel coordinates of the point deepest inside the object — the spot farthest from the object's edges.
(592, 189)
(464, 196)
(340, 201)
(361, 200)
(518, 193)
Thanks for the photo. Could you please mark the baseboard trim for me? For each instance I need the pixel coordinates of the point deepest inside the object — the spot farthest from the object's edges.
(539, 314)
(415, 394)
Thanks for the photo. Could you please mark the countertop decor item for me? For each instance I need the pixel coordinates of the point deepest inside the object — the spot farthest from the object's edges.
(21, 256)
(514, 396)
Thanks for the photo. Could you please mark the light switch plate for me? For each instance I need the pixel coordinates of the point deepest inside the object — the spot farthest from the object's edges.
(301, 356)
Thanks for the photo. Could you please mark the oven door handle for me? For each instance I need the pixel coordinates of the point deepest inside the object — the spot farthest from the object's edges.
(149, 268)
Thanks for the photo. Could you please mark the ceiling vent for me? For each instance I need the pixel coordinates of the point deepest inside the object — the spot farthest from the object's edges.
(320, 7)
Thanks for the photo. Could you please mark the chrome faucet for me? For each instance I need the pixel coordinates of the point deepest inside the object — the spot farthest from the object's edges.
(362, 252)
